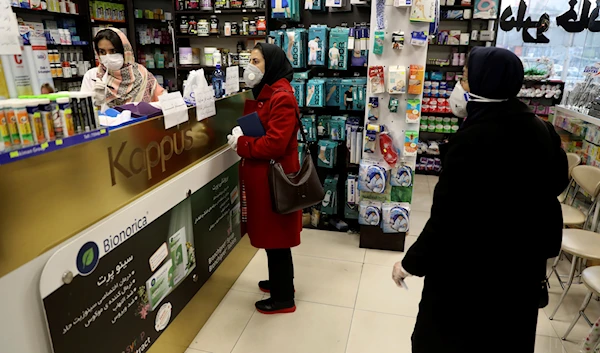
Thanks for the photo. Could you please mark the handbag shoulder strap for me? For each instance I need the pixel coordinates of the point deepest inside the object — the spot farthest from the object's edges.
(304, 139)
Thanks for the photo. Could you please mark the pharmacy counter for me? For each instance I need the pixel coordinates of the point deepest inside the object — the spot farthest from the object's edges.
(125, 243)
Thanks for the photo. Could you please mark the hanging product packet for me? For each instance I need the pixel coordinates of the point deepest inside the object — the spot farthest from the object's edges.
(376, 80)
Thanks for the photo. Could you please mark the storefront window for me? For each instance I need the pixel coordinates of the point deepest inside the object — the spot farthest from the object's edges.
(570, 52)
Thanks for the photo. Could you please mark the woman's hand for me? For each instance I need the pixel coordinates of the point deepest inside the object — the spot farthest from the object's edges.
(399, 274)
(232, 139)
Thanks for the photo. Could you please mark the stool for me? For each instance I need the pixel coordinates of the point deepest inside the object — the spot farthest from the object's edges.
(591, 279)
(582, 245)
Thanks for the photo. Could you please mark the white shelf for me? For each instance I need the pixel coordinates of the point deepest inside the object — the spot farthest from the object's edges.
(577, 115)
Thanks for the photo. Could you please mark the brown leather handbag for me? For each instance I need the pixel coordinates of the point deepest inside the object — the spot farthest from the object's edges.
(294, 192)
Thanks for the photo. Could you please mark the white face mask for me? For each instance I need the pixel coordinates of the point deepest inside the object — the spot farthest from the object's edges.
(458, 101)
(113, 62)
(475, 98)
(252, 75)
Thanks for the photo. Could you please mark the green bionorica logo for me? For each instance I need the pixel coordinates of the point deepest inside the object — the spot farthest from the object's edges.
(87, 258)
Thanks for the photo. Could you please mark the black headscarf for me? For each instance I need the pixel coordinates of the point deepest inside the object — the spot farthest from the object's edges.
(493, 73)
(277, 66)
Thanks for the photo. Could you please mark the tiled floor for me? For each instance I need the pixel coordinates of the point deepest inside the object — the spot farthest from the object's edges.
(347, 301)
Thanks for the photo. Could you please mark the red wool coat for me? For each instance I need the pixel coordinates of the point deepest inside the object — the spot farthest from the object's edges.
(277, 108)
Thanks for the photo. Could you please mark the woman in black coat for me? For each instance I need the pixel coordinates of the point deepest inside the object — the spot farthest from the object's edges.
(494, 222)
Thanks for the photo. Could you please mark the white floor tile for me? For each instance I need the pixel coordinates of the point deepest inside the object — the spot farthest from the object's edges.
(544, 326)
(313, 328)
(330, 245)
(316, 279)
(191, 350)
(544, 344)
(326, 281)
(570, 307)
(433, 180)
(421, 201)
(379, 293)
(226, 324)
(421, 179)
(418, 219)
(421, 186)
(380, 333)
(388, 258)
(255, 271)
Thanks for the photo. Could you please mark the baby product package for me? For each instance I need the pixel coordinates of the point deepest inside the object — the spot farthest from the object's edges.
(327, 153)
(397, 80)
(315, 92)
(423, 11)
(329, 203)
(369, 213)
(352, 198)
(416, 78)
(376, 80)
(295, 47)
(299, 87)
(372, 177)
(318, 35)
(338, 48)
(332, 88)
(395, 217)
(411, 142)
(402, 175)
(413, 111)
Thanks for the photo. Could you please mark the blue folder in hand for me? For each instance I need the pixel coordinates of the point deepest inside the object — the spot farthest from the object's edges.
(251, 125)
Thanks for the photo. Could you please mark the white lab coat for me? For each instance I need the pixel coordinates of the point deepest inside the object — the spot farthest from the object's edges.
(89, 82)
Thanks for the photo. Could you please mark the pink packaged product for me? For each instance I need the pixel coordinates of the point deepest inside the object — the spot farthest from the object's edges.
(541, 110)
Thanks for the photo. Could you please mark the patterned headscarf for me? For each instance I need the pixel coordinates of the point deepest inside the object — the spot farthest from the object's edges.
(132, 83)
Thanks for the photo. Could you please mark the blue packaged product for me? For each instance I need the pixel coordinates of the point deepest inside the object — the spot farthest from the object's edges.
(277, 37)
(309, 124)
(395, 217)
(327, 153)
(295, 47)
(337, 128)
(402, 176)
(314, 5)
(286, 9)
(299, 87)
(315, 92)
(353, 93)
(369, 213)
(371, 177)
(338, 48)
(332, 89)
(317, 44)
(329, 203)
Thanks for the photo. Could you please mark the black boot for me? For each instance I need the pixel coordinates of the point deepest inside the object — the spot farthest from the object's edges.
(269, 306)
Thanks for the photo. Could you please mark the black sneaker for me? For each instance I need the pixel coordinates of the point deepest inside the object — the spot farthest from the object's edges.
(268, 306)
(265, 286)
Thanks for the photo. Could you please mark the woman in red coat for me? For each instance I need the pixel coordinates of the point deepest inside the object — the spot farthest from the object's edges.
(269, 74)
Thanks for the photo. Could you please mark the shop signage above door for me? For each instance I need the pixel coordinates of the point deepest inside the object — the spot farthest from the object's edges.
(570, 21)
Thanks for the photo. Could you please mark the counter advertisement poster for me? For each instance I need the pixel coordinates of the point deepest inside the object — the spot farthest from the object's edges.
(128, 287)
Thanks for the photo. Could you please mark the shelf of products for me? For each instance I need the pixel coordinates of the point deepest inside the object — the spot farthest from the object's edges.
(40, 12)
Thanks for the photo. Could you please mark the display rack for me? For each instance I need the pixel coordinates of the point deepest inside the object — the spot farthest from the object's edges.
(63, 20)
(233, 43)
(441, 59)
(357, 15)
(153, 20)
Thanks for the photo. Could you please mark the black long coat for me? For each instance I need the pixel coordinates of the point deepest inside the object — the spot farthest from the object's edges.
(495, 220)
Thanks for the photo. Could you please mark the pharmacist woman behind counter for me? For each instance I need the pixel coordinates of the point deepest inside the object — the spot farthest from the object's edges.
(119, 79)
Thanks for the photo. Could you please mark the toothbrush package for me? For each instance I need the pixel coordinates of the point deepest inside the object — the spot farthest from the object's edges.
(395, 217)
(369, 213)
